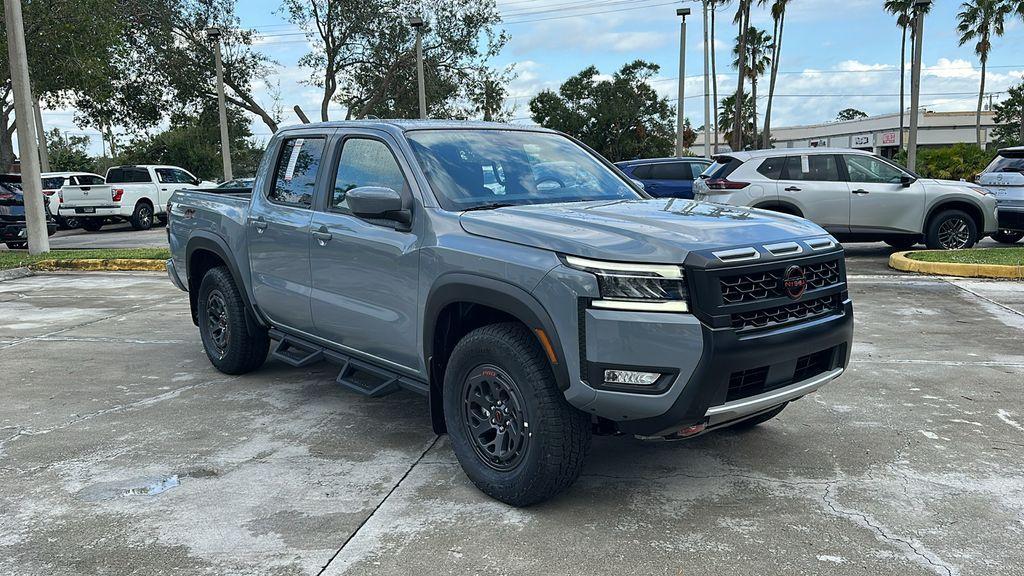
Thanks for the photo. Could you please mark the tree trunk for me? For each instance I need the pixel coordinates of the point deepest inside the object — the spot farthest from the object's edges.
(6, 143)
(714, 84)
(903, 80)
(737, 119)
(766, 134)
(981, 98)
(753, 96)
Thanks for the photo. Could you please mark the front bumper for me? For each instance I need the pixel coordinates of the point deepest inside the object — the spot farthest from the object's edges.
(17, 232)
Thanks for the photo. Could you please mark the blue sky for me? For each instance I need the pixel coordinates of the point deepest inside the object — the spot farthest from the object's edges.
(836, 54)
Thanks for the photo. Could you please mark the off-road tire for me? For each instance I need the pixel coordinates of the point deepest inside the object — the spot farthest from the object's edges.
(142, 217)
(902, 243)
(558, 434)
(243, 348)
(933, 235)
(91, 224)
(759, 419)
(1007, 237)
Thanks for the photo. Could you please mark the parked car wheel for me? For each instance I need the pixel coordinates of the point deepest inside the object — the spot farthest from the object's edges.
(142, 218)
(17, 245)
(91, 224)
(511, 428)
(951, 230)
(1007, 236)
(902, 243)
(232, 345)
(759, 419)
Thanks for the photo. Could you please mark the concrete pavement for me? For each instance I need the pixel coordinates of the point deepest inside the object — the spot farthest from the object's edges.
(123, 452)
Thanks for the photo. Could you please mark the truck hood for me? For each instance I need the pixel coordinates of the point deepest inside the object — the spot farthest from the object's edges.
(659, 230)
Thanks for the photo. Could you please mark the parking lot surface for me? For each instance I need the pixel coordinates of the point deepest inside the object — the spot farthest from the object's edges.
(122, 451)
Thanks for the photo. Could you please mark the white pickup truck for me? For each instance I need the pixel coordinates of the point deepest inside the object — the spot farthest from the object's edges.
(137, 194)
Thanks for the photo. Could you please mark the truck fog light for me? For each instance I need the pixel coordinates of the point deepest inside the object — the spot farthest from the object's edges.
(630, 377)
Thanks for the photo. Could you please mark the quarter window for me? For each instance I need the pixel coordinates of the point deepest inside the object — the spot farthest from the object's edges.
(872, 170)
(295, 175)
(772, 167)
(812, 167)
(365, 162)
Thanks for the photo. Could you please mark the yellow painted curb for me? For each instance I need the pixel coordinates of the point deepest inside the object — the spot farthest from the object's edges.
(103, 265)
(899, 261)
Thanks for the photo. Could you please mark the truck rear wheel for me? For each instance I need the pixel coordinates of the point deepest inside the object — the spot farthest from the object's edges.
(232, 345)
(511, 428)
(142, 217)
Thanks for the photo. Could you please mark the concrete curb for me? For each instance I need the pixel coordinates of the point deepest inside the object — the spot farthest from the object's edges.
(900, 261)
(103, 265)
(14, 273)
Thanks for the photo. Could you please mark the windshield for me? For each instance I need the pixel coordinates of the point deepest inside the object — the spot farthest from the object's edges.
(1010, 163)
(482, 168)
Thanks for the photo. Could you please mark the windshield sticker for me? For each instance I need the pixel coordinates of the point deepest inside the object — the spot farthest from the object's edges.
(290, 171)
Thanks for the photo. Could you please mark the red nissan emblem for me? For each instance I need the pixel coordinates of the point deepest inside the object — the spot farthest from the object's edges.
(794, 283)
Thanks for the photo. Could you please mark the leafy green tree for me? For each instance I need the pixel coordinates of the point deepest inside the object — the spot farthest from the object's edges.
(957, 162)
(980, 20)
(1009, 117)
(759, 50)
(849, 114)
(622, 117)
(69, 153)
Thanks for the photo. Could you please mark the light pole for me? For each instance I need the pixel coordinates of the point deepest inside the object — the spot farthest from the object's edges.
(214, 35)
(417, 23)
(682, 13)
(31, 181)
(707, 92)
(920, 7)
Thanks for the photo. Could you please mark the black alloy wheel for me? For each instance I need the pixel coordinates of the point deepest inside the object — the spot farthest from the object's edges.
(495, 417)
(217, 322)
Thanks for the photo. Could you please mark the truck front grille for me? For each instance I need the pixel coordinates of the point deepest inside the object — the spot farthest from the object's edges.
(778, 315)
(766, 284)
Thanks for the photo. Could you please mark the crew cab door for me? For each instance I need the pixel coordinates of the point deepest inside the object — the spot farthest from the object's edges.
(879, 201)
(813, 183)
(365, 274)
(278, 230)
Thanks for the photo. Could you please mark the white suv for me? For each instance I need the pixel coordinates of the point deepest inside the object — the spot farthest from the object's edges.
(855, 195)
(1004, 177)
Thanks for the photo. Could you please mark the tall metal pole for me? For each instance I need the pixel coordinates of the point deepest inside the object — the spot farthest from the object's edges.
(214, 34)
(915, 82)
(44, 151)
(31, 181)
(707, 91)
(680, 118)
(417, 23)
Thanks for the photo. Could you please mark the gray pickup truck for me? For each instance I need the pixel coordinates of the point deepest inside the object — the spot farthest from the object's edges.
(529, 289)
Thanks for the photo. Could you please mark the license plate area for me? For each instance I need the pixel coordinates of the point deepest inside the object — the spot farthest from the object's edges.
(85, 210)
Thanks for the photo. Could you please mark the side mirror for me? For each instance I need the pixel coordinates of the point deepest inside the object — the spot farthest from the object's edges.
(639, 184)
(907, 181)
(380, 203)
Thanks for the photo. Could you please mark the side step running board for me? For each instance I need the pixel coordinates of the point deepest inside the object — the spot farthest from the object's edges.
(356, 375)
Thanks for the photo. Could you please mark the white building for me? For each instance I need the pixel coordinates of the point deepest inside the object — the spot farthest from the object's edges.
(878, 134)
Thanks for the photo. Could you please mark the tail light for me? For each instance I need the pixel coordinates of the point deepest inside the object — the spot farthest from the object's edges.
(116, 193)
(5, 195)
(49, 192)
(725, 184)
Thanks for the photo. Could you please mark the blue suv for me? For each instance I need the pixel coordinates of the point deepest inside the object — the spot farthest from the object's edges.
(666, 177)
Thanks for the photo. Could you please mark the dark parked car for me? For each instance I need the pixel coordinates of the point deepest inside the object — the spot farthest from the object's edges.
(12, 213)
(666, 177)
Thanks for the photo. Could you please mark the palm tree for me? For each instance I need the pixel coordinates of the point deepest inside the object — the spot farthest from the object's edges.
(727, 122)
(779, 19)
(902, 10)
(980, 20)
(759, 50)
(742, 22)
(712, 6)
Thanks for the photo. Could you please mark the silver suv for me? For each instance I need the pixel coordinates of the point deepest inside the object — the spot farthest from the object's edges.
(1004, 177)
(855, 195)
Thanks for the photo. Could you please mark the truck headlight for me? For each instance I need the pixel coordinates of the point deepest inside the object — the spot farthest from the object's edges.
(641, 287)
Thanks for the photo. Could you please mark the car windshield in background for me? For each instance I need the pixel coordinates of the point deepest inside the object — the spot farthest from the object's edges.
(488, 168)
(1011, 163)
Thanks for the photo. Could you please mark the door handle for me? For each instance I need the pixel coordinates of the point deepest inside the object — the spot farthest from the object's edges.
(260, 225)
(322, 236)
(792, 189)
(860, 191)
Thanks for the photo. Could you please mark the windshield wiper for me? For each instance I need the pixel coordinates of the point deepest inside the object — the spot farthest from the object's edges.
(490, 206)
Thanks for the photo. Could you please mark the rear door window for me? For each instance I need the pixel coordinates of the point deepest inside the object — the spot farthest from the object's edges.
(671, 171)
(812, 167)
(53, 182)
(295, 175)
(642, 171)
(89, 180)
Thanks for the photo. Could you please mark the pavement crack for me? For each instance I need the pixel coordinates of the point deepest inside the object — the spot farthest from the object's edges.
(379, 504)
(914, 551)
(43, 337)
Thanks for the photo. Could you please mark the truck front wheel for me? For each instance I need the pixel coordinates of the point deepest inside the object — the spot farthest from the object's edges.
(511, 428)
(232, 346)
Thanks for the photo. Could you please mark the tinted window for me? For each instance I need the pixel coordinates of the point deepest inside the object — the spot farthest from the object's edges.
(89, 180)
(671, 171)
(295, 175)
(642, 172)
(1007, 162)
(772, 167)
(722, 167)
(127, 175)
(53, 182)
(531, 168)
(183, 177)
(165, 175)
(812, 167)
(365, 162)
(871, 169)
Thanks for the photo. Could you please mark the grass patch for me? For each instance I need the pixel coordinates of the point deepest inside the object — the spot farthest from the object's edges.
(1002, 256)
(19, 258)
